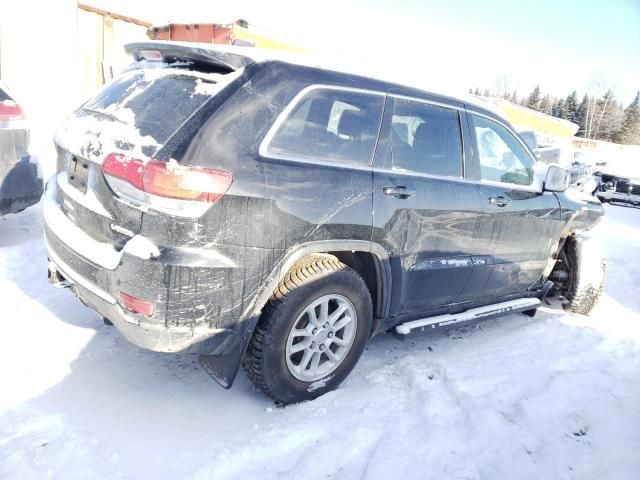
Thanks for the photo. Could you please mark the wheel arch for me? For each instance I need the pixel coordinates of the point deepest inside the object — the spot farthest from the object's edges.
(363, 256)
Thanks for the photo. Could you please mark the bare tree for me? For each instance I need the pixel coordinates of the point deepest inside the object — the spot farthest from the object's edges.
(607, 98)
(600, 84)
(504, 86)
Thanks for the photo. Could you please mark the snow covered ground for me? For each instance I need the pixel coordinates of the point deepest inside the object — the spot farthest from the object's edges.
(553, 397)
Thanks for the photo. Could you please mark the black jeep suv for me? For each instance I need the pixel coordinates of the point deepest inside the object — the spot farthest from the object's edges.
(277, 215)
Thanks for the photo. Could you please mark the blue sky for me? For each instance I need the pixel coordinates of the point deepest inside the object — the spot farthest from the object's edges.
(449, 45)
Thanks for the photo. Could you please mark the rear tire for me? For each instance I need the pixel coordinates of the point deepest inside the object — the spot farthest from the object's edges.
(586, 268)
(307, 318)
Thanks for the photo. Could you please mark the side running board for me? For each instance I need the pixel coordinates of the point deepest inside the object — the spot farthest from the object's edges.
(488, 311)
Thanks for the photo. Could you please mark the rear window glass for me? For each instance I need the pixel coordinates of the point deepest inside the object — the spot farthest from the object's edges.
(153, 101)
(330, 124)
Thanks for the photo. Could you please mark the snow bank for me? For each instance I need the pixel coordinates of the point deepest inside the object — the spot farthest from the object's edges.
(555, 396)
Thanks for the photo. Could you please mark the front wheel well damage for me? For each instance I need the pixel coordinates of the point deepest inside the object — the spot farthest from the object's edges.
(578, 273)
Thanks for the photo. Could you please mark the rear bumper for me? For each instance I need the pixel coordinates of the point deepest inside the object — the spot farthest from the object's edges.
(192, 314)
(145, 334)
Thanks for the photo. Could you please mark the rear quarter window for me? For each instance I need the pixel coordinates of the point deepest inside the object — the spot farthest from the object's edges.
(328, 124)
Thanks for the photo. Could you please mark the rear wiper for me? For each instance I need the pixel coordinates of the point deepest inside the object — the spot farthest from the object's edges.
(104, 113)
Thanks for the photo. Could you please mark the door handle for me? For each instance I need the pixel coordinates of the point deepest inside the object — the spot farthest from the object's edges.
(499, 201)
(399, 192)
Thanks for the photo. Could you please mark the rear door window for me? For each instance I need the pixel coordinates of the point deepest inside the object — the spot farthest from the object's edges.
(329, 124)
(426, 139)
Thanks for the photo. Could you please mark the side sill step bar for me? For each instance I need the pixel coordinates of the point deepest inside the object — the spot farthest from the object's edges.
(488, 311)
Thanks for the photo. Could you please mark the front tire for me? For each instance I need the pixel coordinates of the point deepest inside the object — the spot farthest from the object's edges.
(312, 331)
(586, 269)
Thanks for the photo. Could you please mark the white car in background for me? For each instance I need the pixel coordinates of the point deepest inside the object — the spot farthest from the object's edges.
(20, 177)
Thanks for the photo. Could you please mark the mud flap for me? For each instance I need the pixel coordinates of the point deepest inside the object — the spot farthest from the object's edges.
(224, 367)
(21, 186)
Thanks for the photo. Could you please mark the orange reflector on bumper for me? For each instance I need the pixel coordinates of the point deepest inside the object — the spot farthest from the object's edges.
(137, 305)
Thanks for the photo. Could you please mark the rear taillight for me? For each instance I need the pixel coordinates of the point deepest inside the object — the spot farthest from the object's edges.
(186, 183)
(10, 110)
(137, 305)
(125, 168)
(169, 180)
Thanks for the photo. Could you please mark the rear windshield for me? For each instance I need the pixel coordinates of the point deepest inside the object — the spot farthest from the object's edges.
(155, 102)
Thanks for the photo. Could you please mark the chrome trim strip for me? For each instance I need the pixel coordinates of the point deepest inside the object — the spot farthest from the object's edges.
(430, 102)
(411, 173)
(511, 186)
(324, 163)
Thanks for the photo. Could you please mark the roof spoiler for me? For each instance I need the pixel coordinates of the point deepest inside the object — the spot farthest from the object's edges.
(175, 52)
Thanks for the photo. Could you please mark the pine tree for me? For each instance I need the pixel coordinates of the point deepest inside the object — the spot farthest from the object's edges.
(534, 99)
(514, 97)
(545, 104)
(477, 92)
(581, 116)
(559, 109)
(629, 132)
(571, 106)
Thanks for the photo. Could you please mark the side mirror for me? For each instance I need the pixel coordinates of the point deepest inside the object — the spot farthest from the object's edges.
(557, 179)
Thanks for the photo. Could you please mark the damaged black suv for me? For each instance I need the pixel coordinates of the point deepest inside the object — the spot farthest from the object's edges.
(276, 215)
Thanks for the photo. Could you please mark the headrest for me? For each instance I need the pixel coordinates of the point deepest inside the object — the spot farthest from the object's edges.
(400, 132)
(430, 136)
(353, 123)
